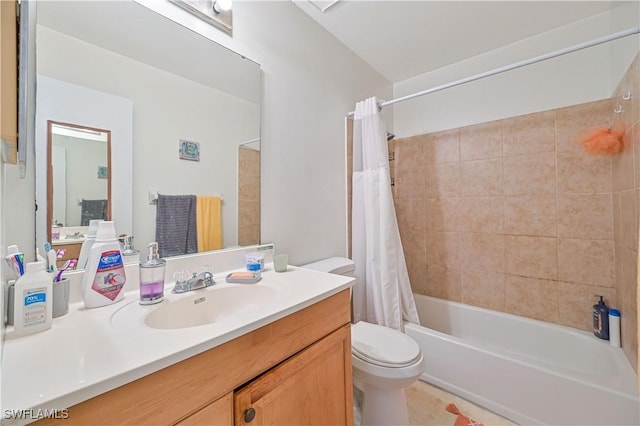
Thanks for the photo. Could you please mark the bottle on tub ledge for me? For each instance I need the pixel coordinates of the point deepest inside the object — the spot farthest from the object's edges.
(601, 319)
(104, 277)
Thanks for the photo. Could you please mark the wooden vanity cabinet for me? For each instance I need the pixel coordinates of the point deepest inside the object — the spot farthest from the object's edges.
(296, 370)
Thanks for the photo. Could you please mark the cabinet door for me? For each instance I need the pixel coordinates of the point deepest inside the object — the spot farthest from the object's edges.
(217, 413)
(314, 387)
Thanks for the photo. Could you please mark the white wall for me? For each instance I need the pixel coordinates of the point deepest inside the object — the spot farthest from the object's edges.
(583, 76)
(82, 157)
(310, 82)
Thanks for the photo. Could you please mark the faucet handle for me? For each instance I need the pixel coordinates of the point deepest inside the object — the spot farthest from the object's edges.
(181, 276)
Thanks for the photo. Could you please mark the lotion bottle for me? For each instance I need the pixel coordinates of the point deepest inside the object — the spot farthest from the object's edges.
(104, 276)
(601, 319)
(33, 304)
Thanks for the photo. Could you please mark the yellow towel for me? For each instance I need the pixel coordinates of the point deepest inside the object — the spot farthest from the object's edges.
(209, 223)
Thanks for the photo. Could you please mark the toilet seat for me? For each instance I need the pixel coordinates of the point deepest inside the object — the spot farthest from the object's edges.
(382, 346)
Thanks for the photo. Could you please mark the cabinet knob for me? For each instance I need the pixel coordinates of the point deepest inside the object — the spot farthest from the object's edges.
(249, 414)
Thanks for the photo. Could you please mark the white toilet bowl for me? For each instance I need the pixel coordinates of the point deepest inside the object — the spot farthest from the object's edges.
(385, 361)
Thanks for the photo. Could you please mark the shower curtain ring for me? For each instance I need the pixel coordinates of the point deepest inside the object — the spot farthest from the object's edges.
(618, 109)
(627, 96)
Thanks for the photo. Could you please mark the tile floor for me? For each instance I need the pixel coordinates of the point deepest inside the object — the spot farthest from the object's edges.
(427, 408)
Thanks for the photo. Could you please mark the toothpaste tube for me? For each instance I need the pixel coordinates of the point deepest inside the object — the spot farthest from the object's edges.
(15, 260)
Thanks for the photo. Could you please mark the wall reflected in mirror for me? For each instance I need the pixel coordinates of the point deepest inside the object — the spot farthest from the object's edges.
(169, 84)
(79, 179)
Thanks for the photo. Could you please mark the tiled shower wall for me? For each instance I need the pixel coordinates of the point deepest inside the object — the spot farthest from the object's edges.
(626, 196)
(248, 196)
(513, 216)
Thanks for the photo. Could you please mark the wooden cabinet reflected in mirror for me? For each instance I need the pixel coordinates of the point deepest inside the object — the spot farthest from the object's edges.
(79, 181)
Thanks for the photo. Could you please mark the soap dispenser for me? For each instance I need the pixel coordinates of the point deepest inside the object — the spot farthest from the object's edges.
(601, 319)
(152, 277)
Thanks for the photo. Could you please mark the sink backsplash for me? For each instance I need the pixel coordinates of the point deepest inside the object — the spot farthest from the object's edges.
(219, 261)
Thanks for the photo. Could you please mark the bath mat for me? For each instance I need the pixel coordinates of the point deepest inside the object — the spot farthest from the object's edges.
(461, 420)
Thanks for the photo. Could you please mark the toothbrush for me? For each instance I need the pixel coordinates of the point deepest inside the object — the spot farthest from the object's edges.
(69, 264)
(51, 257)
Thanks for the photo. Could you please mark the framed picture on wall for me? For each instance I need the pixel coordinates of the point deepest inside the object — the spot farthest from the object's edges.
(189, 150)
(103, 172)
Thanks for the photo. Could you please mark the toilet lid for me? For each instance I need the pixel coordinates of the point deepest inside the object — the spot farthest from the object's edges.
(383, 346)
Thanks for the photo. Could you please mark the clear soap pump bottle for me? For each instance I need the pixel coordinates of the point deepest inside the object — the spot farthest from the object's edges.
(152, 277)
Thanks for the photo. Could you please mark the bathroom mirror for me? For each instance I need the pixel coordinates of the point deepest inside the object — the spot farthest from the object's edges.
(152, 90)
(78, 176)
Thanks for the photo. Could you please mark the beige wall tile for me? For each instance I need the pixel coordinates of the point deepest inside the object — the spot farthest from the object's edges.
(629, 334)
(626, 275)
(532, 215)
(482, 252)
(585, 216)
(532, 298)
(574, 120)
(615, 210)
(411, 213)
(484, 289)
(481, 141)
(623, 168)
(481, 178)
(248, 160)
(629, 219)
(636, 153)
(482, 214)
(530, 174)
(442, 214)
(248, 212)
(581, 173)
(443, 147)
(576, 303)
(529, 134)
(444, 282)
(248, 187)
(248, 235)
(410, 176)
(442, 180)
(417, 275)
(443, 248)
(586, 261)
(531, 256)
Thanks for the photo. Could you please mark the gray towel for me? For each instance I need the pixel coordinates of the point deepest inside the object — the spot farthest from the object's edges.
(92, 209)
(176, 231)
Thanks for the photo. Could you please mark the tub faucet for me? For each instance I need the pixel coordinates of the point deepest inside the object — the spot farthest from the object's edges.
(197, 281)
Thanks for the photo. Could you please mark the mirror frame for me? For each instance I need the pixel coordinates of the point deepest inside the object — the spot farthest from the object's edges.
(50, 124)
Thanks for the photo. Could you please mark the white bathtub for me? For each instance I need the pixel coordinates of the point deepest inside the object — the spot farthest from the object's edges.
(528, 371)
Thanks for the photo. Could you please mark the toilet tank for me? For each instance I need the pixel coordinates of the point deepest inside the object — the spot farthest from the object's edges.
(333, 265)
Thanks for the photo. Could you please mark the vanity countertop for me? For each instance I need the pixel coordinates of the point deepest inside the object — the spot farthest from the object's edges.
(91, 351)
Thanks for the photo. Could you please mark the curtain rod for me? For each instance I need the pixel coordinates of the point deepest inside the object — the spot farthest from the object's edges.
(570, 49)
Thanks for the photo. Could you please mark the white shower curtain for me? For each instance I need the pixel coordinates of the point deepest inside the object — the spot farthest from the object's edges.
(382, 294)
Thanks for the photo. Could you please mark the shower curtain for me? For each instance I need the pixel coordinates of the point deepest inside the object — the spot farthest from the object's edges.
(382, 294)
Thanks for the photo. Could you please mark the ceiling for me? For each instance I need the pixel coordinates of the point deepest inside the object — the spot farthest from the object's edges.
(403, 39)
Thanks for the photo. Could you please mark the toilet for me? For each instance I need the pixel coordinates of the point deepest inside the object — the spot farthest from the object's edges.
(385, 361)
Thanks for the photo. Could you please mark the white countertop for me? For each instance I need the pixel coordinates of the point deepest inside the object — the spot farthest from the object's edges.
(91, 351)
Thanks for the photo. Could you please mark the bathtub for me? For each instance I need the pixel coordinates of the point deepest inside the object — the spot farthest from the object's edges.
(528, 371)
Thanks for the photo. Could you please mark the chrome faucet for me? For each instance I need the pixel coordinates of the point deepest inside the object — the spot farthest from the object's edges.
(197, 281)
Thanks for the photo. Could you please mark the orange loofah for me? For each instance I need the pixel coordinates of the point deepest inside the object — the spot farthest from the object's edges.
(602, 141)
(461, 420)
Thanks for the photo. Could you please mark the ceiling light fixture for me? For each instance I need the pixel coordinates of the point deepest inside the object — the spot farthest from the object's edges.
(221, 5)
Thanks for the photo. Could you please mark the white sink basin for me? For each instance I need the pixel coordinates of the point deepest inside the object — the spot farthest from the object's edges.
(200, 307)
